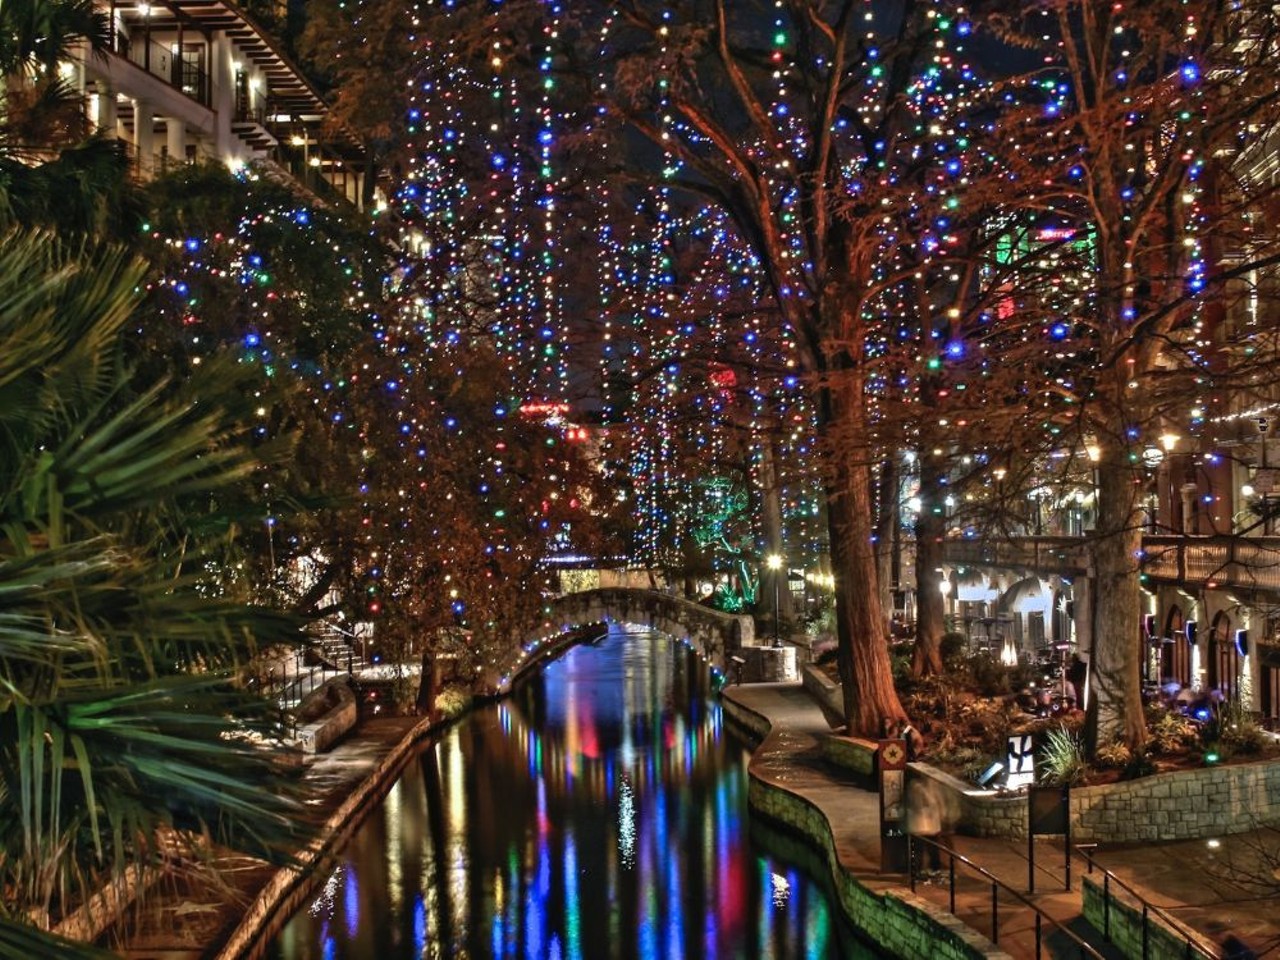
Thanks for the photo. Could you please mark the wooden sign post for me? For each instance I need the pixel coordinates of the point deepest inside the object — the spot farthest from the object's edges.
(892, 762)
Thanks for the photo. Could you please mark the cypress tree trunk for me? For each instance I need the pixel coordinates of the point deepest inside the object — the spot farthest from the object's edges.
(863, 654)
(931, 528)
(1115, 707)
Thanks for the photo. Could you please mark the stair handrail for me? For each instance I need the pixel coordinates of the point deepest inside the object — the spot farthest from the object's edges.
(1193, 941)
(1086, 950)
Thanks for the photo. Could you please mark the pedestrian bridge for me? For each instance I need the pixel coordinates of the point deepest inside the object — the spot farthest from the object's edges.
(712, 633)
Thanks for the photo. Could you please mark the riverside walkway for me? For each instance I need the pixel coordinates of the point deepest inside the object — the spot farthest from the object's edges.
(1184, 878)
(189, 924)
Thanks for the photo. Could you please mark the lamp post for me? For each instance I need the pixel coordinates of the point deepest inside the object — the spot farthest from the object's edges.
(774, 562)
(1263, 473)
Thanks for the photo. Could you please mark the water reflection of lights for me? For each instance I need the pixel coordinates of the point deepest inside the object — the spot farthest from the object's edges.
(323, 904)
(781, 889)
(600, 809)
(394, 847)
(626, 824)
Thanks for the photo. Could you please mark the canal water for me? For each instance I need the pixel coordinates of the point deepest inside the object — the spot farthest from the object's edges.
(600, 812)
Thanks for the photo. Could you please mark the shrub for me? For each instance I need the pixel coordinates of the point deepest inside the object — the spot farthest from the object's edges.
(990, 676)
(1233, 731)
(1172, 732)
(964, 761)
(1140, 765)
(954, 648)
(1062, 759)
(900, 663)
(1113, 756)
(826, 656)
(452, 702)
(994, 679)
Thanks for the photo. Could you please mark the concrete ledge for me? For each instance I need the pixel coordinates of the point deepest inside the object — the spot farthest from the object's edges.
(291, 886)
(900, 923)
(852, 754)
(966, 808)
(825, 692)
(325, 716)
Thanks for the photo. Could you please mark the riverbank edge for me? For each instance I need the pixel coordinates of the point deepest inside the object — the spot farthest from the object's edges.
(291, 886)
(903, 924)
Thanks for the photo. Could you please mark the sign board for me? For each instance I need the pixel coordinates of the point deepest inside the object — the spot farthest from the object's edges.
(1264, 480)
(892, 757)
(1019, 761)
(1048, 812)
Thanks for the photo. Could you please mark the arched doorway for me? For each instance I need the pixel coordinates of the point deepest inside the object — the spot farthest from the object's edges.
(1175, 650)
(1224, 658)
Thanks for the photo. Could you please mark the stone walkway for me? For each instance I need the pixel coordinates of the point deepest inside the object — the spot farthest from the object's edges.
(1187, 878)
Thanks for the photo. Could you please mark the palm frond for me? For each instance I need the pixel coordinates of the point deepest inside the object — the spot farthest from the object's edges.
(18, 941)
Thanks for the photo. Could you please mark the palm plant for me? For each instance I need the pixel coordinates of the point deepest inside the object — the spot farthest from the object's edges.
(124, 731)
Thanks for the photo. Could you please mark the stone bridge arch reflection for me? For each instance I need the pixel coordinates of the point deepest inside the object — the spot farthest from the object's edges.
(713, 634)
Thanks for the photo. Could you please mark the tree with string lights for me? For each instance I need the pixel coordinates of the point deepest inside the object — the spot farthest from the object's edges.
(812, 126)
(1140, 139)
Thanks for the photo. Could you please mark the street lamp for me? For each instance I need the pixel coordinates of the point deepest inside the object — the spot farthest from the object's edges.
(774, 562)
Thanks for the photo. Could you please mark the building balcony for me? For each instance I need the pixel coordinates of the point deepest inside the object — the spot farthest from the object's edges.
(1244, 563)
(1068, 556)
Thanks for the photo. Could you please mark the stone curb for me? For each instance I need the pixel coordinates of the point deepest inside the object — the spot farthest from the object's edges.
(290, 886)
(898, 920)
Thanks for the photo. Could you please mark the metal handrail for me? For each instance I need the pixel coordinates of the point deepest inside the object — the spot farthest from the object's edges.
(1188, 935)
(996, 885)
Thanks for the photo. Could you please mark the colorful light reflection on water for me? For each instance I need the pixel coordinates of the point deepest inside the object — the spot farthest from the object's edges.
(600, 813)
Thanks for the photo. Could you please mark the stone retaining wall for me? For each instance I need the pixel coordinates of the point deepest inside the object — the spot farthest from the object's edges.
(1183, 805)
(853, 755)
(1123, 922)
(900, 923)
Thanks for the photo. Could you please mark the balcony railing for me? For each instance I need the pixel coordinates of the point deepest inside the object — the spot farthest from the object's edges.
(1245, 562)
(1056, 554)
(1218, 561)
(163, 62)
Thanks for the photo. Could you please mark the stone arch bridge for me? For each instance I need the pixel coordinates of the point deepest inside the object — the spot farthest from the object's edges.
(713, 633)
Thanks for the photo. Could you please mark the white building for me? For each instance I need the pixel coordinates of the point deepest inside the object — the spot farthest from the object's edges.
(187, 80)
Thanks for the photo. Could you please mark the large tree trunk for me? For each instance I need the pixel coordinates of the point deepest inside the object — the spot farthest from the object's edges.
(931, 528)
(1115, 706)
(863, 653)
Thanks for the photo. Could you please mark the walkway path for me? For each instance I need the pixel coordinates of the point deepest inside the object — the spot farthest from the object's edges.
(1177, 876)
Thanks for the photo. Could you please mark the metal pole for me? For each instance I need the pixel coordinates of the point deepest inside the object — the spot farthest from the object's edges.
(1031, 855)
(1106, 904)
(1264, 424)
(777, 631)
(1066, 820)
(911, 860)
(952, 864)
(995, 908)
